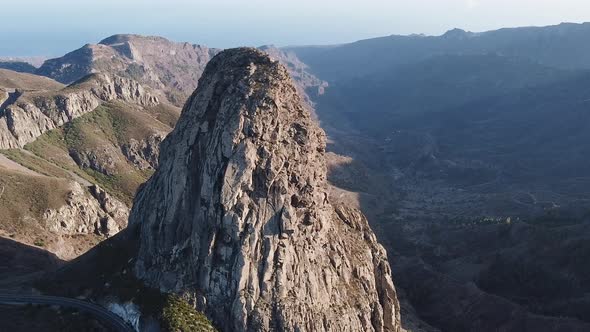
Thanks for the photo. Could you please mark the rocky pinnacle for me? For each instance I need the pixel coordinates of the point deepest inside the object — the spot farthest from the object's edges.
(237, 217)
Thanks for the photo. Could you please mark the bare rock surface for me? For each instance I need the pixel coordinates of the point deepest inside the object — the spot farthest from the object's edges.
(171, 67)
(237, 216)
(144, 153)
(115, 215)
(33, 114)
(57, 214)
(98, 213)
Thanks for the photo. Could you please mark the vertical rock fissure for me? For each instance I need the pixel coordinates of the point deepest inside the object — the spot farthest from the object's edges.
(248, 198)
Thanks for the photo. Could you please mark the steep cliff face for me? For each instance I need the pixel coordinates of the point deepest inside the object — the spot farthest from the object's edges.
(32, 114)
(237, 216)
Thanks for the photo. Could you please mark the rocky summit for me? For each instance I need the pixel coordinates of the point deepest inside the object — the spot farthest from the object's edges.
(237, 217)
(165, 66)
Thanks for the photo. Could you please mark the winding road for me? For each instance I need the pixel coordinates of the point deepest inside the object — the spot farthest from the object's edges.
(108, 318)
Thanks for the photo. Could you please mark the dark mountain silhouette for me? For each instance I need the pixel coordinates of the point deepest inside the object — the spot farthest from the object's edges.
(563, 46)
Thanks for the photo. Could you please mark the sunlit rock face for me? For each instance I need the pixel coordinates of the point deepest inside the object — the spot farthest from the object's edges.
(237, 216)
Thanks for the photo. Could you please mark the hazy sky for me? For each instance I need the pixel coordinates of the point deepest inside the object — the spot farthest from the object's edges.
(43, 27)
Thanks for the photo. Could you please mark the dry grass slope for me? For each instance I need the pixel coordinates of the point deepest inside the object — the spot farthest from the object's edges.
(13, 80)
(91, 145)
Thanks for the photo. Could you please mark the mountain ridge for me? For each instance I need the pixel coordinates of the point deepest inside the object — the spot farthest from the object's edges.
(150, 60)
(559, 46)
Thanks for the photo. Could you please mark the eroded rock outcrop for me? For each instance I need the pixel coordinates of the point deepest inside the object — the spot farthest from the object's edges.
(98, 213)
(170, 67)
(35, 113)
(143, 153)
(237, 216)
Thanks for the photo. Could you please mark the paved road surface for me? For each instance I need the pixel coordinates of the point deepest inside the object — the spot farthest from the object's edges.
(108, 318)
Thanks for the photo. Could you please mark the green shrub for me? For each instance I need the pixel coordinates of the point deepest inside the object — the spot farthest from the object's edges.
(178, 315)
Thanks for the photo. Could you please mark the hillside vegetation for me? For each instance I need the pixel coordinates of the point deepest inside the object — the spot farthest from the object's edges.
(93, 146)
